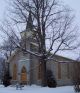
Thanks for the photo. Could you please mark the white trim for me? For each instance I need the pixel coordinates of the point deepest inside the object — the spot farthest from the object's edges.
(34, 43)
(24, 59)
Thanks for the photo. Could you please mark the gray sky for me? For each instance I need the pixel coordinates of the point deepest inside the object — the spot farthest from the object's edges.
(73, 4)
(2, 9)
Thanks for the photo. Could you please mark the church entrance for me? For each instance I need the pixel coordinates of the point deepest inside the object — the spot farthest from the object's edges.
(23, 75)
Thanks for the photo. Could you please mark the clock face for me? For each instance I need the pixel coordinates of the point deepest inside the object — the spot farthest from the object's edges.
(26, 34)
(29, 34)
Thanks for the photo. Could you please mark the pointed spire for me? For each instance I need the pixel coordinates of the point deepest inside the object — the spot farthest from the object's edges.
(29, 22)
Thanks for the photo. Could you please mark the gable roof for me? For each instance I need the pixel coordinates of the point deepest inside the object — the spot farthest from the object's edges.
(16, 52)
(57, 58)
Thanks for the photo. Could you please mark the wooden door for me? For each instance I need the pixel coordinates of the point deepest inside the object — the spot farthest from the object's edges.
(23, 75)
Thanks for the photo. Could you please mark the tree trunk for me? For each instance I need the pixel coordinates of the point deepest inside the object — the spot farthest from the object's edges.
(43, 71)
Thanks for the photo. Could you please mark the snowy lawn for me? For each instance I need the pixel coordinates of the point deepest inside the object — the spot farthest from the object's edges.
(37, 89)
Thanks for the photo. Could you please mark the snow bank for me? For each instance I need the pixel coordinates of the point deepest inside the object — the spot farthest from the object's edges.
(37, 89)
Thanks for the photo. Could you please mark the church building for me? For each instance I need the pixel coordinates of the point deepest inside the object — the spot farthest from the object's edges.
(24, 67)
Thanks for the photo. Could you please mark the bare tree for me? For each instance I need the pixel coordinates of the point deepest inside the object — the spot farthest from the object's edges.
(8, 46)
(51, 24)
(2, 68)
(76, 76)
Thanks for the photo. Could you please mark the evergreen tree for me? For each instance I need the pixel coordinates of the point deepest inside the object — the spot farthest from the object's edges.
(51, 81)
(6, 79)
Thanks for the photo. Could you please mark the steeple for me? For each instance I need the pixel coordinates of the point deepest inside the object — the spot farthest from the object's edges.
(29, 26)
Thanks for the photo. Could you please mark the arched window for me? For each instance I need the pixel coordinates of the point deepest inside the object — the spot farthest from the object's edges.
(68, 73)
(23, 70)
(14, 72)
(39, 72)
(23, 74)
(59, 70)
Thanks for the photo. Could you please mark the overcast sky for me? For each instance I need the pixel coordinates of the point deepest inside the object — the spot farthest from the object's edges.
(73, 4)
(2, 9)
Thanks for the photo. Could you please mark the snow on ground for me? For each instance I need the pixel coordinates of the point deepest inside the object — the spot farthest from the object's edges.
(37, 89)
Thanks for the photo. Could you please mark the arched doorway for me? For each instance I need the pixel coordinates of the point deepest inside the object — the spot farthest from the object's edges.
(14, 72)
(23, 75)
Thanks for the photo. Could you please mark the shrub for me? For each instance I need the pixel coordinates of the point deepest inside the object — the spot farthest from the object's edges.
(51, 81)
(6, 79)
